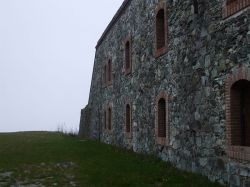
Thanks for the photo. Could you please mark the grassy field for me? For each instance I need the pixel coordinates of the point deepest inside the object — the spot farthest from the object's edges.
(51, 159)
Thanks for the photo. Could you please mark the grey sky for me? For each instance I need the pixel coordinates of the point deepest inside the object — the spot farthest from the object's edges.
(47, 52)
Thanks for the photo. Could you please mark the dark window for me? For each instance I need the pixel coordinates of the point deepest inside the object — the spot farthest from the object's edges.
(105, 75)
(128, 118)
(240, 113)
(105, 120)
(196, 6)
(162, 118)
(109, 71)
(127, 56)
(160, 29)
(109, 118)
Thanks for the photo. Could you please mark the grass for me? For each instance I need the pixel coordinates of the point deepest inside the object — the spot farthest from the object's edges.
(53, 159)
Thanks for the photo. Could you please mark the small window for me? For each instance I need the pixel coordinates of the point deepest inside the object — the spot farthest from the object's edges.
(128, 118)
(162, 118)
(240, 113)
(161, 30)
(233, 6)
(127, 56)
(109, 118)
(105, 75)
(196, 6)
(109, 73)
(161, 123)
(105, 119)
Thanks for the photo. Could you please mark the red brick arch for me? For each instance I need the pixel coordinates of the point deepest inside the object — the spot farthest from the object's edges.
(236, 147)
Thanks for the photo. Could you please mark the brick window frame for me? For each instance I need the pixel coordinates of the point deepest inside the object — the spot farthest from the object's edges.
(235, 151)
(231, 7)
(161, 30)
(109, 72)
(162, 140)
(128, 134)
(127, 56)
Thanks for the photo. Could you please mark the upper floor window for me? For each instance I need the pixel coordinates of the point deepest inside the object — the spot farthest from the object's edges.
(161, 29)
(127, 56)
(109, 72)
(238, 114)
(105, 75)
(231, 7)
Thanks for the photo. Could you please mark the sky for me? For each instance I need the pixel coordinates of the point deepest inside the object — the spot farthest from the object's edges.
(47, 50)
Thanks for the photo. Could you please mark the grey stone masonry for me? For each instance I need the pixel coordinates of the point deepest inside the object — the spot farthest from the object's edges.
(204, 52)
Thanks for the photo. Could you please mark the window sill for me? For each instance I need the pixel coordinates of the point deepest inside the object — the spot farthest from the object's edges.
(239, 152)
(160, 52)
(127, 72)
(234, 8)
(128, 135)
(161, 141)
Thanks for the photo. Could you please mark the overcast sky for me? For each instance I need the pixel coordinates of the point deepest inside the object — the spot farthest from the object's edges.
(47, 50)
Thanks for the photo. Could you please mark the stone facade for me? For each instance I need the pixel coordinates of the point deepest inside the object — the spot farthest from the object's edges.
(206, 47)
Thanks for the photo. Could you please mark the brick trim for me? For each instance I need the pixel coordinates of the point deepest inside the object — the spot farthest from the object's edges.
(162, 140)
(231, 7)
(164, 49)
(233, 151)
(127, 70)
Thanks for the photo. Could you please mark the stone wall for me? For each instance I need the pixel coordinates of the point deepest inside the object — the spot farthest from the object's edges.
(203, 50)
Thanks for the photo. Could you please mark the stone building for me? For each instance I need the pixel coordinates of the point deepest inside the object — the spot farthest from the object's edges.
(172, 78)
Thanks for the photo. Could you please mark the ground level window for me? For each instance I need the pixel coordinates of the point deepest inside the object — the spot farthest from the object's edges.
(128, 118)
(109, 118)
(161, 119)
(237, 99)
(240, 113)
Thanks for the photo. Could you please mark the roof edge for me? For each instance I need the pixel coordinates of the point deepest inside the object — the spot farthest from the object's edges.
(117, 15)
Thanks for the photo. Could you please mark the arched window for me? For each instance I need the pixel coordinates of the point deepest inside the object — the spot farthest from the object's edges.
(128, 118)
(109, 71)
(162, 118)
(160, 29)
(240, 113)
(237, 100)
(105, 74)
(109, 118)
(105, 119)
(127, 56)
(233, 6)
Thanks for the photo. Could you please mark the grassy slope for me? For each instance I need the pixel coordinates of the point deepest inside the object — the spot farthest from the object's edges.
(98, 164)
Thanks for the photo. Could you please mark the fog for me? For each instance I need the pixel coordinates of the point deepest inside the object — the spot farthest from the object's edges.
(47, 50)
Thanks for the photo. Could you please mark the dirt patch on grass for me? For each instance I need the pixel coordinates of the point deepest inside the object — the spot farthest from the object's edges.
(42, 175)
